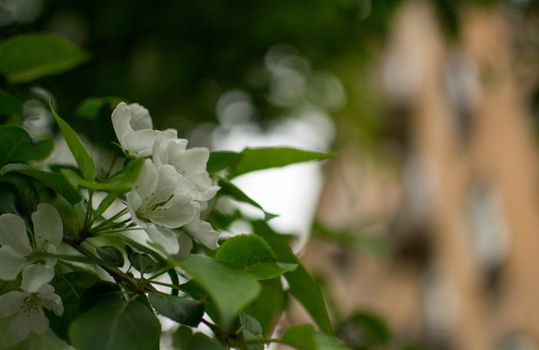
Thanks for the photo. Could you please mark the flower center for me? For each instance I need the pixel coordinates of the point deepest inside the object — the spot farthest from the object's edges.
(31, 304)
(151, 209)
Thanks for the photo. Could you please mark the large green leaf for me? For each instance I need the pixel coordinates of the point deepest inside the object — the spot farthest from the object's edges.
(252, 254)
(243, 251)
(269, 305)
(254, 159)
(80, 152)
(228, 188)
(229, 288)
(302, 285)
(183, 310)
(55, 181)
(16, 146)
(116, 325)
(72, 288)
(27, 57)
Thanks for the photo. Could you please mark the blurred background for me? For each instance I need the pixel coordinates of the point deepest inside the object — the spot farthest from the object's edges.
(424, 229)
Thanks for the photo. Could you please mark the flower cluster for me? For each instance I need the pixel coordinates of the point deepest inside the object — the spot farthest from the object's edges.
(27, 253)
(173, 187)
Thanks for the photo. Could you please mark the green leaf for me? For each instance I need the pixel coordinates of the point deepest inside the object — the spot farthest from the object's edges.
(80, 152)
(302, 285)
(230, 289)
(243, 251)
(27, 57)
(120, 182)
(183, 310)
(142, 262)
(111, 256)
(251, 330)
(106, 203)
(364, 329)
(269, 269)
(221, 160)
(71, 288)
(55, 181)
(269, 305)
(252, 254)
(116, 325)
(16, 146)
(254, 159)
(303, 337)
(228, 188)
(184, 339)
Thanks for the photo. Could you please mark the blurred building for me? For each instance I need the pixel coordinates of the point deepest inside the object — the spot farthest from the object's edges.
(461, 212)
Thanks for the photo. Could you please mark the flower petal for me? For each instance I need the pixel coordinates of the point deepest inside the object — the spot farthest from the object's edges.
(164, 237)
(34, 276)
(180, 210)
(186, 245)
(26, 322)
(204, 233)
(139, 117)
(141, 142)
(147, 180)
(166, 184)
(51, 300)
(11, 263)
(11, 303)
(192, 161)
(165, 149)
(48, 226)
(205, 189)
(13, 234)
(120, 122)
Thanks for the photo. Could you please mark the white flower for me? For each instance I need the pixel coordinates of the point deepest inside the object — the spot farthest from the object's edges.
(19, 254)
(28, 308)
(203, 232)
(160, 202)
(189, 163)
(133, 127)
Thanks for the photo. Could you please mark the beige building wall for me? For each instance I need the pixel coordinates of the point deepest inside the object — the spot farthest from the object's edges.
(463, 213)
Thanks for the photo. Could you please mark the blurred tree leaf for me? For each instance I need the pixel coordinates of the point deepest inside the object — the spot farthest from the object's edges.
(363, 330)
(9, 104)
(228, 188)
(16, 146)
(303, 337)
(55, 181)
(27, 57)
